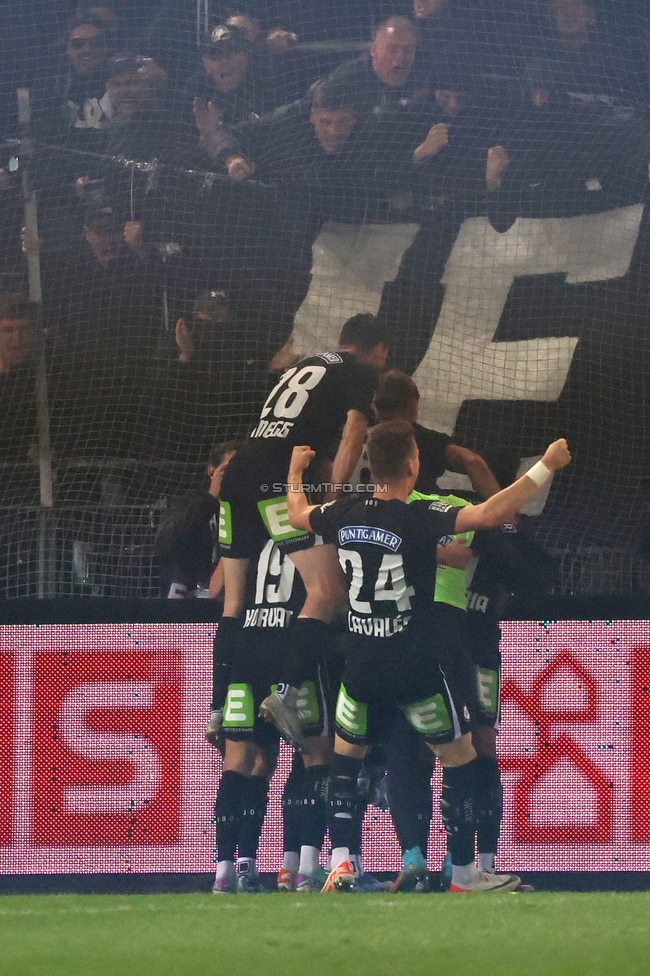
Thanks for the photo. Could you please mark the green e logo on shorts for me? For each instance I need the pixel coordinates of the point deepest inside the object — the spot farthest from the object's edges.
(428, 716)
(225, 523)
(307, 704)
(239, 711)
(276, 519)
(351, 716)
(487, 688)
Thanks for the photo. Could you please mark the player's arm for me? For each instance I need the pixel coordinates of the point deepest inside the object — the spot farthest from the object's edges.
(350, 447)
(298, 508)
(456, 555)
(464, 461)
(506, 503)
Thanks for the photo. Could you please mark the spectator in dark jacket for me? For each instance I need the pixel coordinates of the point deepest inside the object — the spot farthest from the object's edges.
(385, 76)
(227, 88)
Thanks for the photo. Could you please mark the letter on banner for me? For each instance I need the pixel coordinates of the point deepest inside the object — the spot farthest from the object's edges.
(92, 744)
(352, 264)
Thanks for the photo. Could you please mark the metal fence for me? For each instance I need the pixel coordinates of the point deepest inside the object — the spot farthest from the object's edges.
(108, 552)
(69, 552)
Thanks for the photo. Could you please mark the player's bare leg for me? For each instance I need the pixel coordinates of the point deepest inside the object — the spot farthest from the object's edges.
(323, 579)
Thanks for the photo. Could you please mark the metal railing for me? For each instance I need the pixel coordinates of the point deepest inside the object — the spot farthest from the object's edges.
(66, 552)
(96, 551)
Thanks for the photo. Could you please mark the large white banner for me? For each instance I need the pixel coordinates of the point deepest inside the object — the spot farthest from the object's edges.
(352, 263)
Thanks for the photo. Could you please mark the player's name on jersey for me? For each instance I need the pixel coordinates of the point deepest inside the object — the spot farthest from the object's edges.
(272, 428)
(371, 534)
(477, 602)
(377, 626)
(268, 617)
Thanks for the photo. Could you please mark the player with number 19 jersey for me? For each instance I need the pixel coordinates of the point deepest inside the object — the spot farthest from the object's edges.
(274, 595)
(309, 405)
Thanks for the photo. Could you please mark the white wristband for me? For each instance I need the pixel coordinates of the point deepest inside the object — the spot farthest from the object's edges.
(539, 473)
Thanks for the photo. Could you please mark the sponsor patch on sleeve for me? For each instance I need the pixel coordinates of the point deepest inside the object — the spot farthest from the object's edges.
(330, 357)
(371, 534)
(440, 507)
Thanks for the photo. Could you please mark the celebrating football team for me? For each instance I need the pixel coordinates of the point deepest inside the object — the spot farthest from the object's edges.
(346, 629)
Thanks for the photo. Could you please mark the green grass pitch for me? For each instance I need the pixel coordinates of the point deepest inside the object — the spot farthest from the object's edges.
(544, 934)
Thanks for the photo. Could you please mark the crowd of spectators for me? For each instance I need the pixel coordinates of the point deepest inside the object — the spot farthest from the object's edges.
(184, 171)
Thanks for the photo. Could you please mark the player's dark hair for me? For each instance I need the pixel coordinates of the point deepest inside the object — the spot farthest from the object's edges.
(364, 331)
(397, 22)
(395, 394)
(218, 453)
(391, 445)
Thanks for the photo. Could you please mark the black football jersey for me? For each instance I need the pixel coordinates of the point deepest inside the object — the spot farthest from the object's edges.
(388, 552)
(433, 463)
(274, 590)
(508, 559)
(310, 403)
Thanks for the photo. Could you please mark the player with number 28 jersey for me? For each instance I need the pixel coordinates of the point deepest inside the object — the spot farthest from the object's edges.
(310, 404)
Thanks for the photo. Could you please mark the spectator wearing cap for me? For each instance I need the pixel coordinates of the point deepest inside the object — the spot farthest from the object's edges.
(143, 126)
(144, 123)
(274, 58)
(274, 42)
(227, 90)
(99, 93)
(96, 293)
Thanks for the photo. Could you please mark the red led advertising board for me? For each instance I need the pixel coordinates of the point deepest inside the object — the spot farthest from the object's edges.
(103, 765)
